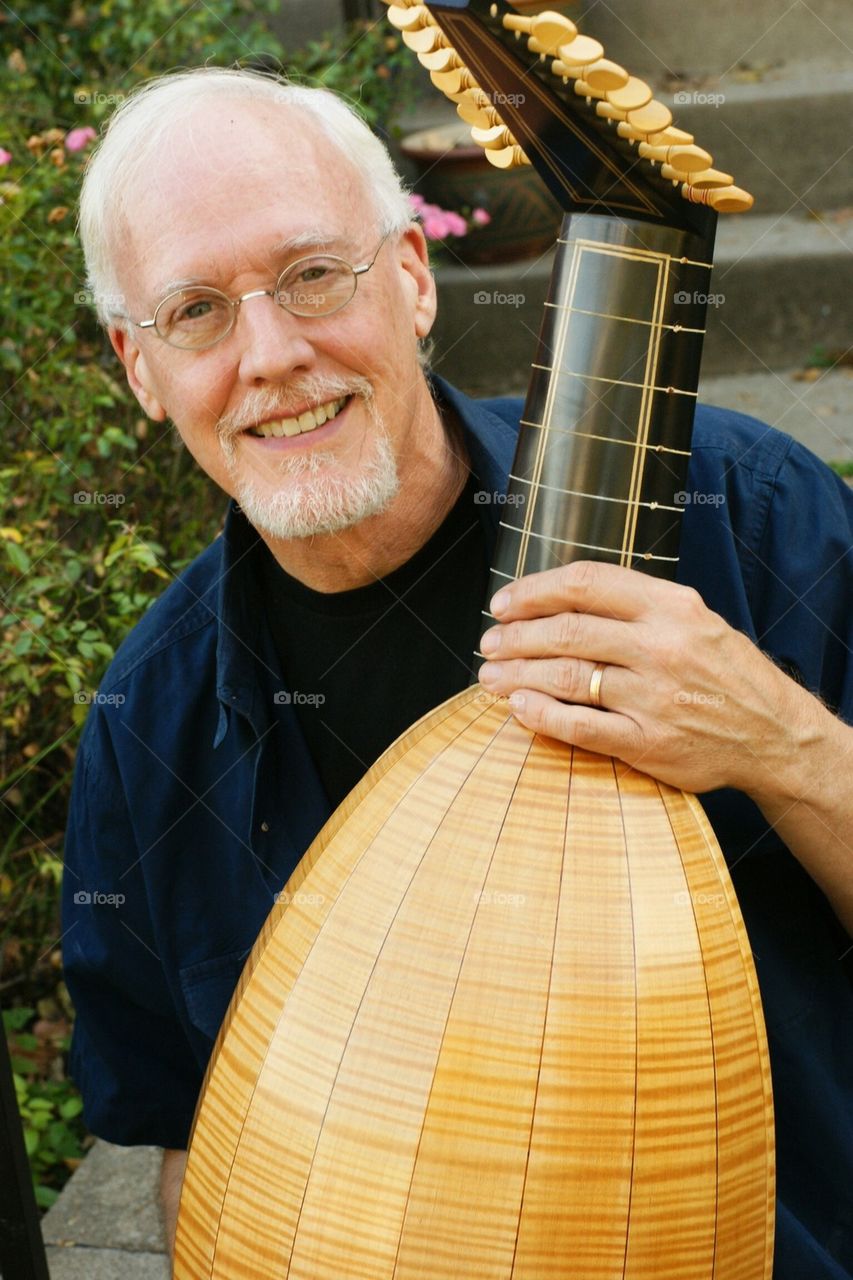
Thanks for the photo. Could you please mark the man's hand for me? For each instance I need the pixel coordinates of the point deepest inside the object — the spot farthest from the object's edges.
(683, 697)
(171, 1178)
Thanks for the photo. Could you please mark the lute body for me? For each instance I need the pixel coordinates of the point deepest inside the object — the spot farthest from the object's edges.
(504, 1021)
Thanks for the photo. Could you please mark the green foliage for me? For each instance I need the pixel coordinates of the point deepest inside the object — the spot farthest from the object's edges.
(371, 68)
(99, 506)
(50, 1109)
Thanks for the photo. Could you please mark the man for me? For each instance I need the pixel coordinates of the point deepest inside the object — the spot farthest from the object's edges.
(352, 568)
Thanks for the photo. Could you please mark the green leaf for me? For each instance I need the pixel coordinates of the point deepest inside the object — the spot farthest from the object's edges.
(45, 1196)
(14, 1019)
(18, 557)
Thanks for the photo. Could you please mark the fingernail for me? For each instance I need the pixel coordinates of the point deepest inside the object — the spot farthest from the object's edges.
(490, 672)
(500, 602)
(517, 701)
(489, 642)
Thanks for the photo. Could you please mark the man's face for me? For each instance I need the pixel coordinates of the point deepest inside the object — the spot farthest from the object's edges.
(240, 192)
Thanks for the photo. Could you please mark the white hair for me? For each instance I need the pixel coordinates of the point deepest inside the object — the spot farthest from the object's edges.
(135, 132)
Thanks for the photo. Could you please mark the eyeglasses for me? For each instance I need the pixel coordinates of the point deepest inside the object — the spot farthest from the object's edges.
(198, 317)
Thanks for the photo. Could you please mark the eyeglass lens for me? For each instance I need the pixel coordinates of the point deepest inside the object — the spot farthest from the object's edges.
(199, 317)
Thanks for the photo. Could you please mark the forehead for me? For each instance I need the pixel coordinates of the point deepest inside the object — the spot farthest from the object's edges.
(233, 189)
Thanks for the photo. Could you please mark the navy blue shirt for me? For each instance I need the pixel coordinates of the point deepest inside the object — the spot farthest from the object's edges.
(195, 797)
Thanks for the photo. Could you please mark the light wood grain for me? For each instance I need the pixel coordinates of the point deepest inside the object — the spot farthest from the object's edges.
(506, 1026)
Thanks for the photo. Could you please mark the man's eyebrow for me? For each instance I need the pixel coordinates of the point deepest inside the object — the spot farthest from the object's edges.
(314, 238)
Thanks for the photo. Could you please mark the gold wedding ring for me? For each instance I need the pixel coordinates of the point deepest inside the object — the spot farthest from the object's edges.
(595, 684)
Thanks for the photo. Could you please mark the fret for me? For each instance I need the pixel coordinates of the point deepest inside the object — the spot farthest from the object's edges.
(587, 435)
(585, 546)
(616, 382)
(605, 315)
(597, 497)
(500, 574)
(651, 255)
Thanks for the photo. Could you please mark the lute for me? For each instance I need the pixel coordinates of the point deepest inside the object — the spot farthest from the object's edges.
(503, 1022)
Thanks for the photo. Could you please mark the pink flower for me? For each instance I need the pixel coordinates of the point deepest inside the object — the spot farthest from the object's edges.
(480, 217)
(435, 226)
(456, 224)
(416, 201)
(77, 139)
(5, 156)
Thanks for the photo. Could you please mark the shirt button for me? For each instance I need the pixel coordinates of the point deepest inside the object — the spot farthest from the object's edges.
(265, 826)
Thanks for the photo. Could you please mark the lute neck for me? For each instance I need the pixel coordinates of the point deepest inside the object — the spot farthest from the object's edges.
(601, 463)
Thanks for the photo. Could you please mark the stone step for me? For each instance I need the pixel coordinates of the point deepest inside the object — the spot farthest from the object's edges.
(781, 289)
(107, 1222)
(656, 36)
(818, 413)
(784, 138)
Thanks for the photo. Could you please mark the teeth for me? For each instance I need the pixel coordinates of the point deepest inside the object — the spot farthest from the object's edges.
(305, 422)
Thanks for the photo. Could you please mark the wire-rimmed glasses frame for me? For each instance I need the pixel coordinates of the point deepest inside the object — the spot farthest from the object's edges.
(332, 286)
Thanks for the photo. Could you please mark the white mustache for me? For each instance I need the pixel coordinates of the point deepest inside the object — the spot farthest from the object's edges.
(281, 402)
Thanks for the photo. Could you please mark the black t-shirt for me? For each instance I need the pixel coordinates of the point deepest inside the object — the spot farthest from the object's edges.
(362, 665)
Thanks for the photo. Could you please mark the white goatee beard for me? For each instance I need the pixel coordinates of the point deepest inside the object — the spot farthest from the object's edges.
(313, 499)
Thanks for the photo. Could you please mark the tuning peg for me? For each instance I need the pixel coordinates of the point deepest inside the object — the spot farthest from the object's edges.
(453, 82)
(669, 137)
(651, 118)
(425, 39)
(409, 18)
(705, 178)
(552, 30)
(688, 159)
(721, 199)
(509, 158)
(518, 23)
(604, 76)
(446, 59)
(580, 52)
(475, 108)
(636, 93)
(494, 139)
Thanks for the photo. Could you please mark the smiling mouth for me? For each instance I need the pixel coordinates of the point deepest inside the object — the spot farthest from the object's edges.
(306, 421)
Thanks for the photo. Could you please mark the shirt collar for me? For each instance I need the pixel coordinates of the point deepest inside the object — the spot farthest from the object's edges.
(243, 641)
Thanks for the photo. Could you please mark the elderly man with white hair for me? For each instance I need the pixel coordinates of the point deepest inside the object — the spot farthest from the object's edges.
(254, 260)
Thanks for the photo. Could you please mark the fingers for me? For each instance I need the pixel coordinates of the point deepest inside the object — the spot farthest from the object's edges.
(575, 635)
(567, 679)
(585, 586)
(605, 732)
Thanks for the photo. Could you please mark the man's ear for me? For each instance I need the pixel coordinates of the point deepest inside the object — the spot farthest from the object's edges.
(138, 374)
(415, 262)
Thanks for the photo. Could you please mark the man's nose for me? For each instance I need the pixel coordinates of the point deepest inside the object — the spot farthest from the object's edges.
(273, 343)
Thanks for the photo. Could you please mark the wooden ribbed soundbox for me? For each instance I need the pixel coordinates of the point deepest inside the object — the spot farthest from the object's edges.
(504, 1023)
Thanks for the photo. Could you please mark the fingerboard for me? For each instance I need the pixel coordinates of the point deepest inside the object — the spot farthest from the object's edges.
(601, 462)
